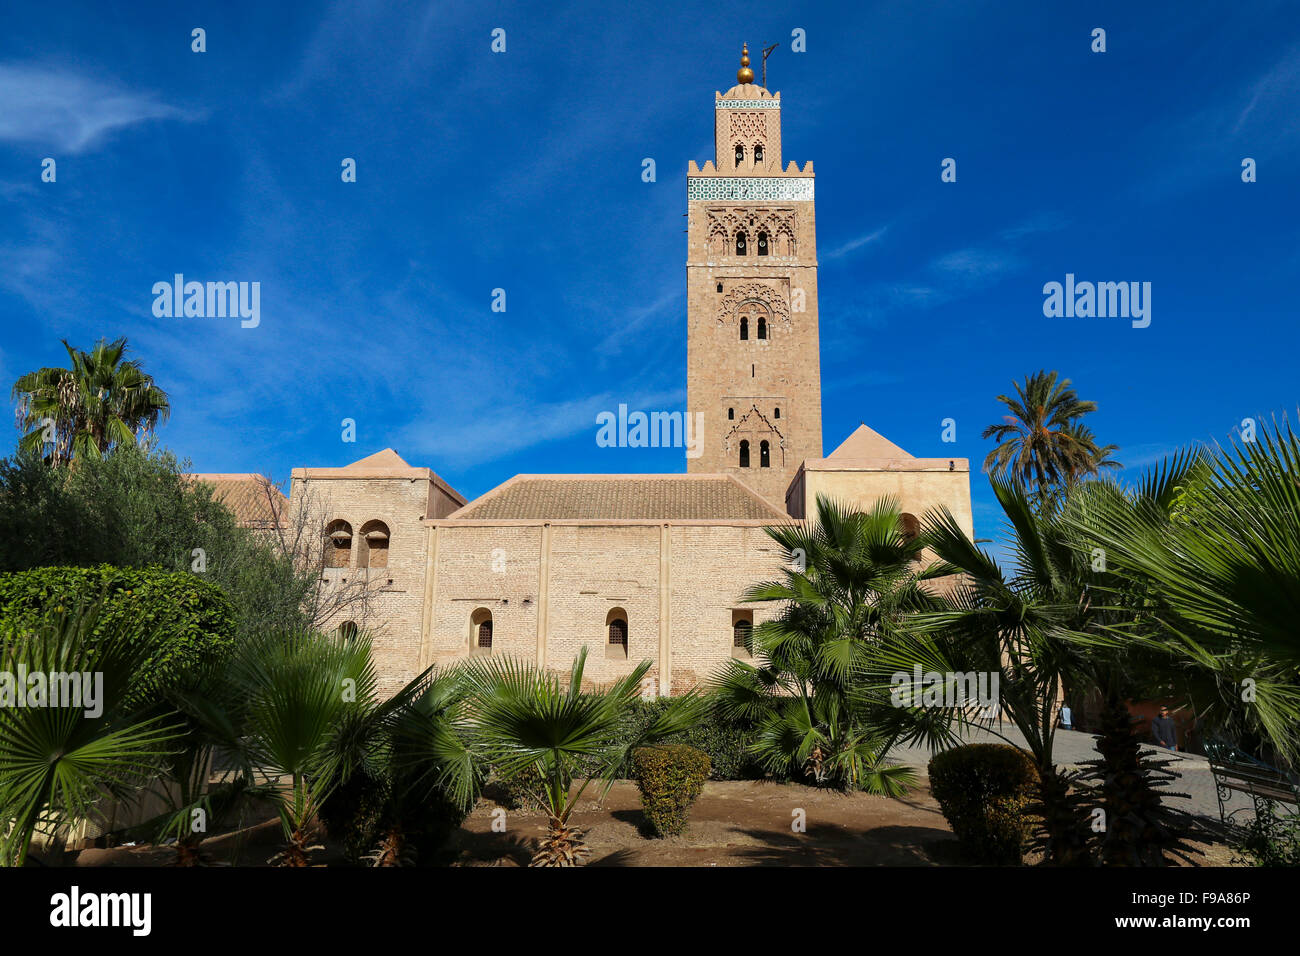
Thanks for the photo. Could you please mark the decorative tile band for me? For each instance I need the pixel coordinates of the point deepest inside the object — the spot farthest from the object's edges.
(790, 189)
(747, 104)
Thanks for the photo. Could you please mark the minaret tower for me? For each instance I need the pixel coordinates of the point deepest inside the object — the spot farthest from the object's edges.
(753, 364)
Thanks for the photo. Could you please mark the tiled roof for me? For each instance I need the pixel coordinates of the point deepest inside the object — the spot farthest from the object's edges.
(246, 497)
(621, 497)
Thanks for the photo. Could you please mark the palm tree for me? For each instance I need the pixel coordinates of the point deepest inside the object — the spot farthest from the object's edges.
(1041, 443)
(101, 401)
(530, 726)
(1221, 555)
(301, 691)
(57, 764)
(407, 776)
(849, 577)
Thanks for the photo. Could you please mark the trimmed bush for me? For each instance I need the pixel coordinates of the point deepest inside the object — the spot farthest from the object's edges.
(191, 620)
(984, 790)
(669, 777)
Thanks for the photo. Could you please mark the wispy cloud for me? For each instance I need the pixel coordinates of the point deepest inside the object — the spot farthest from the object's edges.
(68, 111)
(854, 244)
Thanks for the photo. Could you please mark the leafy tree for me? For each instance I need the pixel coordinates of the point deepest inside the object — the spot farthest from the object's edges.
(529, 725)
(849, 578)
(103, 400)
(1041, 443)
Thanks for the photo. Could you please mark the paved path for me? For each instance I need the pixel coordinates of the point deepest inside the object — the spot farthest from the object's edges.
(1070, 748)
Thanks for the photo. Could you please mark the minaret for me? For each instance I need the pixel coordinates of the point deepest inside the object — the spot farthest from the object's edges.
(753, 364)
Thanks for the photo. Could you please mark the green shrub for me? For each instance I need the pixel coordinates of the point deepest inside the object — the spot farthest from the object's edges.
(984, 790)
(724, 742)
(1272, 841)
(191, 619)
(669, 777)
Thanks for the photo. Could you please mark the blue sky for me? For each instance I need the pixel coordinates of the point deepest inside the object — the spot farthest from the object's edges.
(522, 171)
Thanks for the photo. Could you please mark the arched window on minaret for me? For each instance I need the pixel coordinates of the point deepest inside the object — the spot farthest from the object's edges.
(731, 414)
(744, 327)
(740, 243)
(764, 456)
(762, 243)
(762, 328)
(778, 411)
(740, 155)
(744, 454)
(758, 153)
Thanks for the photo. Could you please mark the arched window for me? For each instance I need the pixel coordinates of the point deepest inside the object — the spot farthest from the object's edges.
(731, 414)
(740, 155)
(758, 152)
(742, 631)
(764, 456)
(910, 528)
(616, 628)
(762, 243)
(740, 243)
(374, 545)
(744, 327)
(348, 630)
(719, 286)
(744, 454)
(762, 328)
(778, 411)
(338, 544)
(480, 632)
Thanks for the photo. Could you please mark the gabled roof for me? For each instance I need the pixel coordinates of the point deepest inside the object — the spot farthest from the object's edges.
(867, 443)
(253, 500)
(380, 459)
(621, 498)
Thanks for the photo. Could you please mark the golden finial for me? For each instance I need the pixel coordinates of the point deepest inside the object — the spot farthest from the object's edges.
(744, 74)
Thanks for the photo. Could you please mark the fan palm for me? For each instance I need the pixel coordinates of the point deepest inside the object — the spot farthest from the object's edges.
(849, 577)
(531, 726)
(406, 773)
(1222, 556)
(57, 764)
(301, 691)
(101, 401)
(1041, 443)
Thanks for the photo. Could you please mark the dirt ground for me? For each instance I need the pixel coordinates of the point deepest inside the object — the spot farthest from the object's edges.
(733, 823)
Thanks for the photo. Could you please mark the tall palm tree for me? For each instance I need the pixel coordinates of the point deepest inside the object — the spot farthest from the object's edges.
(532, 727)
(102, 400)
(57, 764)
(1041, 443)
(849, 577)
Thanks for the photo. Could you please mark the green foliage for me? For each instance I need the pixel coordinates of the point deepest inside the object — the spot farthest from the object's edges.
(670, 777)
(1272, 841)
(849, 579)
(522, 717)
(101, 401)
(189, 621)
(984, 791)
(135, 509)
(58, 763)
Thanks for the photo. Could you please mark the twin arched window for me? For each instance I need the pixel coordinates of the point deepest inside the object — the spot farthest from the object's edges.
(764, 455)
(741, 241)
(374, 545)
(744, 454)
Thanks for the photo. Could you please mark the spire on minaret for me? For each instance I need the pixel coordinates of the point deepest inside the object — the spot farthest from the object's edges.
(744, 74)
